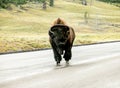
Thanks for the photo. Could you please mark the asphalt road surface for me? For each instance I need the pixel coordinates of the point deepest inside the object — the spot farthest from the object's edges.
(92, 66)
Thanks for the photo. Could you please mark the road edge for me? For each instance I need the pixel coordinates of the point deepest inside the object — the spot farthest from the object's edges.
(51, 48)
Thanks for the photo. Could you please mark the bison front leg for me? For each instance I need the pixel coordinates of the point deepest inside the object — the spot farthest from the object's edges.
(57, 56)
(67, 55)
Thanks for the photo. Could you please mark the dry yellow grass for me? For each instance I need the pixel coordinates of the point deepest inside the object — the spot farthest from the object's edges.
(28, 29)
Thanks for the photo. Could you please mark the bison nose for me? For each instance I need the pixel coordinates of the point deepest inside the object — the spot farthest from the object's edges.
(61, 44)
(62, 40)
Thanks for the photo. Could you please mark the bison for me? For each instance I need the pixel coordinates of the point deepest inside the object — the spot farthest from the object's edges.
(61, 38)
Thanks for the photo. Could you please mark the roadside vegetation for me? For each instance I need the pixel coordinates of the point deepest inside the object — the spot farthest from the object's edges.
(26, 27)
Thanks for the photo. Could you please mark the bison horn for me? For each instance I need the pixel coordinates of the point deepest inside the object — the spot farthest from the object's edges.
(51, 33)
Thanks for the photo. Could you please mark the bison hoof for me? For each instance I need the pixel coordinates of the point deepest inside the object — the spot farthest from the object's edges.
(67, 63)
(58, 64)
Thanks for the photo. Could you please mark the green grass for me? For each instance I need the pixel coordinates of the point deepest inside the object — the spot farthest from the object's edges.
(28, 29)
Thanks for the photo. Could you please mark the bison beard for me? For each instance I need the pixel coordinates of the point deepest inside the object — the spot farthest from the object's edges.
(61, 40)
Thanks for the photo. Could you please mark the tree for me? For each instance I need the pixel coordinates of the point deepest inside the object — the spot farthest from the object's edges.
(84, 2)
(114, 2)
(44, 5)
(3, 3)
(111, 1)
(6, 3)
(51, 2)
(86, 17)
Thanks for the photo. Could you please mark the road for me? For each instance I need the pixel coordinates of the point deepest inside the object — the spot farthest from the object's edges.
(92, 66)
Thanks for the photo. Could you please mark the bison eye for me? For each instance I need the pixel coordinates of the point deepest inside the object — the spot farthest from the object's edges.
(68, 32)
(66, 36)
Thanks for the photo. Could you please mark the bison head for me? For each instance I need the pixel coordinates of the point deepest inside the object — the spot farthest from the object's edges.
(59, 35)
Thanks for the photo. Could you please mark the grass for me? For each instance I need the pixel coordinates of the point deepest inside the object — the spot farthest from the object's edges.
(27, 29)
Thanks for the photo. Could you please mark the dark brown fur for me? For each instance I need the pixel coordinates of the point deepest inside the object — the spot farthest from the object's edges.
(61, 39)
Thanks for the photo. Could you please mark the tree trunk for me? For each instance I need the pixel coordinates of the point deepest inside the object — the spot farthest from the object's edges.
(86, 17)
(44, 5)
(84, 2)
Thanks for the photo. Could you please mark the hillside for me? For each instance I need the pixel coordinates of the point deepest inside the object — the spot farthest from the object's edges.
(26, 28)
